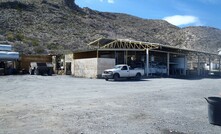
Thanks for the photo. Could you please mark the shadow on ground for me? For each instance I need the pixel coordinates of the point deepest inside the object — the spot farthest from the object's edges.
(128, 80)
(187, 77)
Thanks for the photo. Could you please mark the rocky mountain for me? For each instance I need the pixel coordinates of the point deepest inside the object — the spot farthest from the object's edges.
(55, 26)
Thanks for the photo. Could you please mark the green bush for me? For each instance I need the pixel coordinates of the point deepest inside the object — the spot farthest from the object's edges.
(31, 41)
(39, 50)
(52, 46)
(35, 42)
(20, 37)
(10, 36)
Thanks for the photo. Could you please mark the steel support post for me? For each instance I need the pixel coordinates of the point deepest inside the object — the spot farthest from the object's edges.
(168, 64)
(198, 66)
(147, 62)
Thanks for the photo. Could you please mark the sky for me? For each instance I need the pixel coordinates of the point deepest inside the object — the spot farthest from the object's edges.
(181, 13)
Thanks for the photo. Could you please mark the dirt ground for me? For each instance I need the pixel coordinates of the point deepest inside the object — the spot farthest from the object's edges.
(67, 105)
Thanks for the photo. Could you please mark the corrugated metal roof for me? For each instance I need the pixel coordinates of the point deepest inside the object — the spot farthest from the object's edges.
(5, 55)
(4, 47)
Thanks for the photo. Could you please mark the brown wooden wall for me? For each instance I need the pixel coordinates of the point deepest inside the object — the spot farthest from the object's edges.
(84, 55)
(26, 59)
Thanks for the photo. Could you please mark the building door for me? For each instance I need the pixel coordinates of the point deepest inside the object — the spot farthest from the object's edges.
(68, 68)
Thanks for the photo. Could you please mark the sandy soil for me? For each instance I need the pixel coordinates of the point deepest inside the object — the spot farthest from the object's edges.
(67, 105)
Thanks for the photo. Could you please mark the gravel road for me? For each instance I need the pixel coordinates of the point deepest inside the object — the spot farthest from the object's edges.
(67, 105)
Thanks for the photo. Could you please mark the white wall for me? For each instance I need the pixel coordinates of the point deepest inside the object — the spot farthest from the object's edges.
(105, 63)
(72, 67)
(85, 68)
(68, 57)
(91, 67)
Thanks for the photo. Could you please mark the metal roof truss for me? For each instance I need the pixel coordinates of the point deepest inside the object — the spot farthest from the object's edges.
(116, 44)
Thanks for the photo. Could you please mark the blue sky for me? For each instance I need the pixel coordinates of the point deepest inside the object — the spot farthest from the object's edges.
(181, 13)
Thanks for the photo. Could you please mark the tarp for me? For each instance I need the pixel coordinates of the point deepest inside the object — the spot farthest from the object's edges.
(5, 47)
(4, 55)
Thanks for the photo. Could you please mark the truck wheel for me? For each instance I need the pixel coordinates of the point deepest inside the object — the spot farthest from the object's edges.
(49, 72)
(36, 72)
(138, 76)
(31, 71)
(116, 77)
(106, 79)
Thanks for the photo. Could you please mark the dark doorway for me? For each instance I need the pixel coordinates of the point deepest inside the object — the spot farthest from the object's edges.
(120, 59)
(68, 68)
(2, 68)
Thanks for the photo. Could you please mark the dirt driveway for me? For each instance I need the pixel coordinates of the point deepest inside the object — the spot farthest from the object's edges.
(67, 105)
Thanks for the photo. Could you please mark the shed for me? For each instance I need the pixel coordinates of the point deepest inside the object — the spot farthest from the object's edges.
(155, 58)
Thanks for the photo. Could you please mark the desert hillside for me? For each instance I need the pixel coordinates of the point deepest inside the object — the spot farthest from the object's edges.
(57, 26)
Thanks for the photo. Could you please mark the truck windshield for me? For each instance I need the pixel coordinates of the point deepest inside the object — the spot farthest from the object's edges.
(117, 67)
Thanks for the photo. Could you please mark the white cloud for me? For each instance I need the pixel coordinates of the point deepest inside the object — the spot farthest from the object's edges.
(110, 1)
(180, 20)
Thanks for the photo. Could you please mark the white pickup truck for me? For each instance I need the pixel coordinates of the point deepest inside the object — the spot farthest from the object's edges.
(123, 71)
